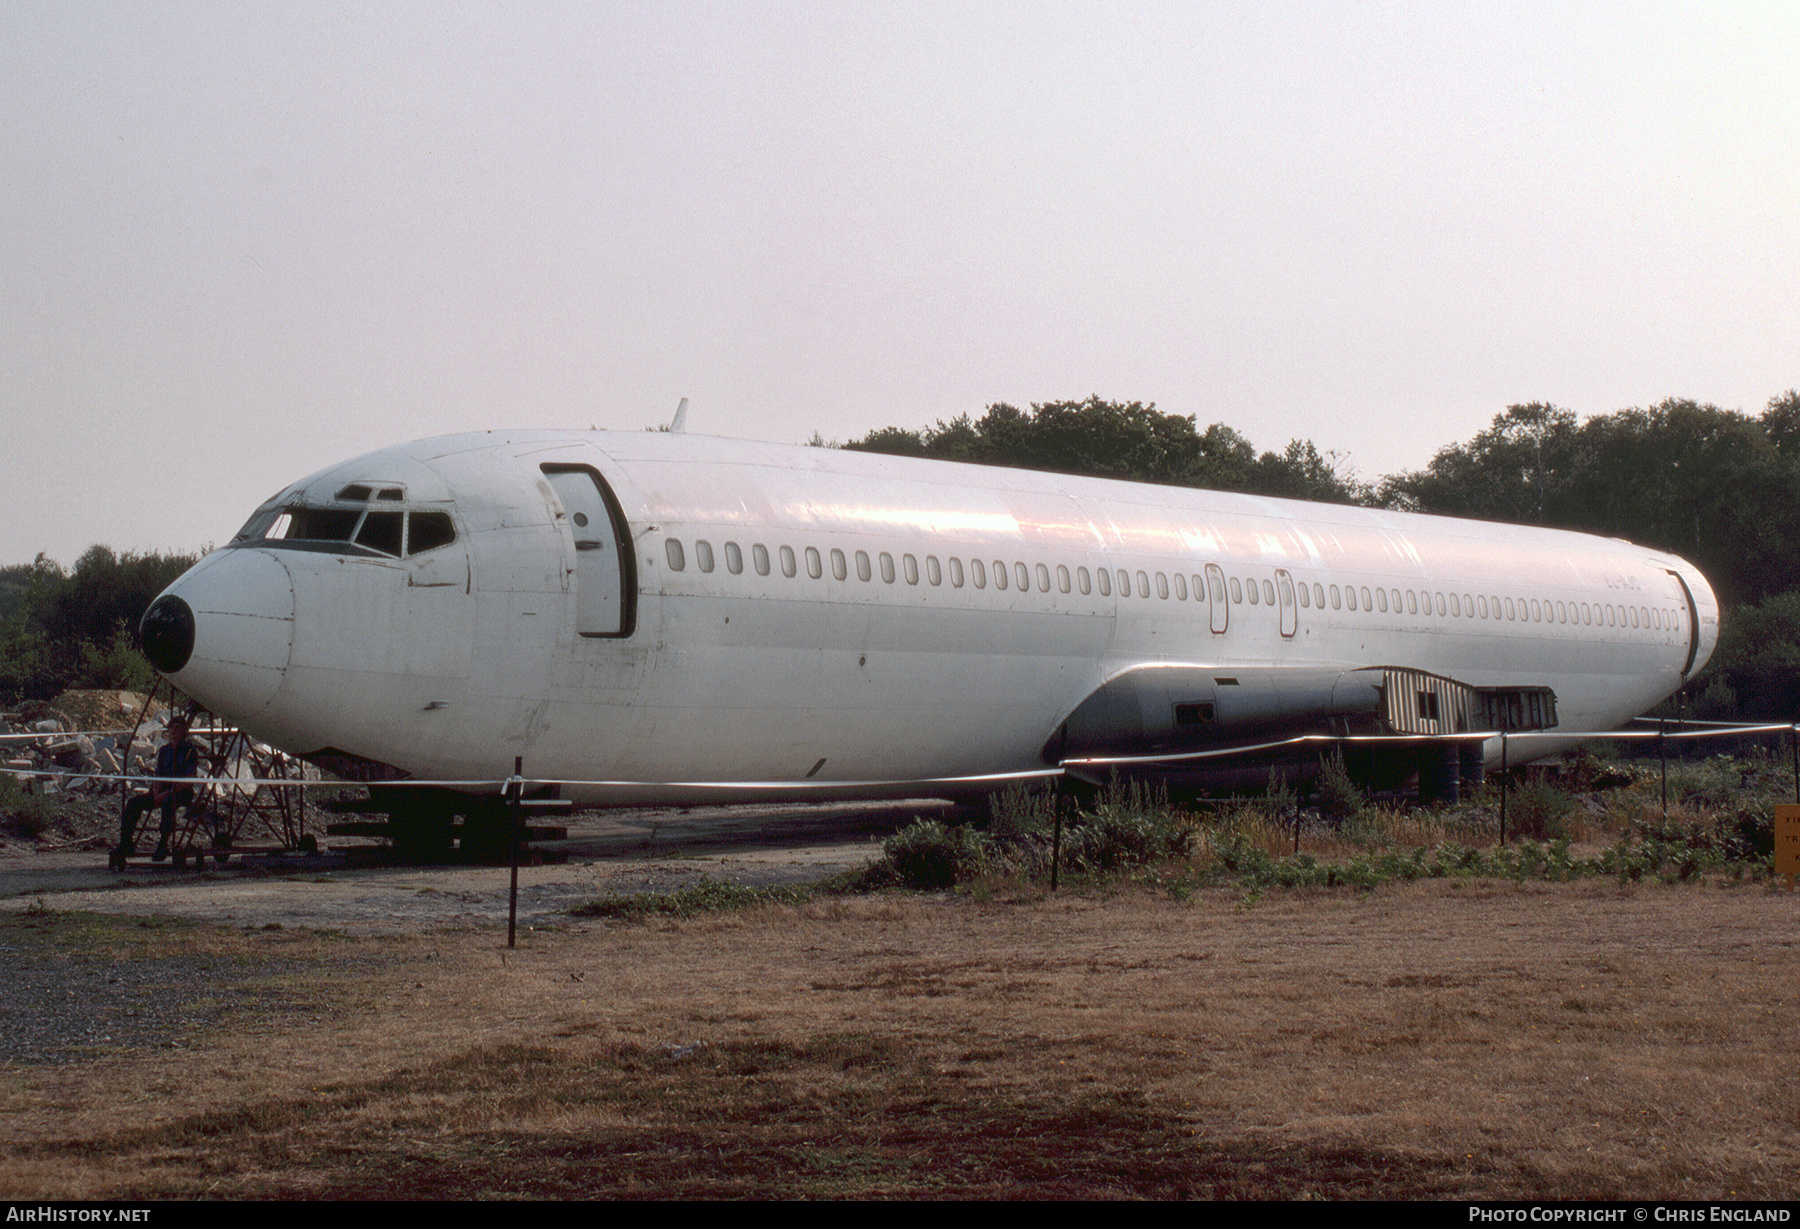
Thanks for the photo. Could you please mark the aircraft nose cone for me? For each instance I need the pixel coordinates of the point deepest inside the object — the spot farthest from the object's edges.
(168, 633)
(224, 631)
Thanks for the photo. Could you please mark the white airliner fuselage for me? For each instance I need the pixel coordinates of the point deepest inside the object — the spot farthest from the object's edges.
(663, 618)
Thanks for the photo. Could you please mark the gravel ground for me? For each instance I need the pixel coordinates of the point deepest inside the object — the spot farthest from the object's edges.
(59, 1003)
(67, 998)
(607, 853)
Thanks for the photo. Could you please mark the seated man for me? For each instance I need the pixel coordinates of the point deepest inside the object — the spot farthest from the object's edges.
(178, 761)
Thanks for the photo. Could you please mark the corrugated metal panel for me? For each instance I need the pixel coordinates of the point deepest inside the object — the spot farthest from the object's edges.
(1419, 702)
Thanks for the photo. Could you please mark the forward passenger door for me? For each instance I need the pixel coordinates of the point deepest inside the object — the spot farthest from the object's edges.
(604, 577)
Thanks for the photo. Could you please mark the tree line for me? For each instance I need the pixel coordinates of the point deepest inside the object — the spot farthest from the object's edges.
(77, 627)
(1126, 440)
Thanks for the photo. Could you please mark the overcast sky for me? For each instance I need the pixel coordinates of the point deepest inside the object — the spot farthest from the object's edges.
(243, 241)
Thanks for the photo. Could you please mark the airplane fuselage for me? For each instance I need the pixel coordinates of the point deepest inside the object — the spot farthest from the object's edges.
(661, 618)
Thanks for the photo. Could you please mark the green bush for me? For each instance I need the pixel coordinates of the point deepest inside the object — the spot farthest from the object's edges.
(1339, 799)
(1018, 812)
(1751, 833)
(1741, 833)
(1113, 837)
(1537, 810)
(928, 856)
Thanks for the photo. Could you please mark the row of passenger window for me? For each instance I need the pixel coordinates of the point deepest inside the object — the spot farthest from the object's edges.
(1018, 575)
(1257, 592)
(1493, 606)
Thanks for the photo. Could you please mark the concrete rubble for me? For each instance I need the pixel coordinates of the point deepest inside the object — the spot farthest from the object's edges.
(76, 743)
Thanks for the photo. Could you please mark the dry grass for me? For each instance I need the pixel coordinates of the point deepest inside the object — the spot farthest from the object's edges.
(1441, 1039)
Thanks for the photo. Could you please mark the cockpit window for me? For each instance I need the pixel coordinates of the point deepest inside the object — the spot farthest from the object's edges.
(322, 524)
(359, 492)
(354, 531)
(257, 526)
(382, 531)
(430, 530)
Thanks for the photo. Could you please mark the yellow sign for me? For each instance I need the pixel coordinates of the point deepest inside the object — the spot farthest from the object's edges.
(1787, 841)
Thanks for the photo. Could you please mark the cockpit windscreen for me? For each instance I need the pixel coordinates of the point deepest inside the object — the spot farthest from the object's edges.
(348, 524)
